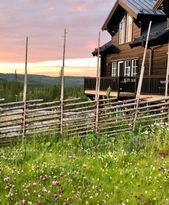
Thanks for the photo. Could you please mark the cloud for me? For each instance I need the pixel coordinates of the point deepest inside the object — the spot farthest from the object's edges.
(73, 67)
(43, 21)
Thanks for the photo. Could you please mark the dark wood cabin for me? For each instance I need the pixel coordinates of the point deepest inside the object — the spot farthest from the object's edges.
(121, 58)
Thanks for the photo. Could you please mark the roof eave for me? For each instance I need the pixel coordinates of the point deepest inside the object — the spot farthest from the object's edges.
(151, 16)
(122, 4)
(104, 27)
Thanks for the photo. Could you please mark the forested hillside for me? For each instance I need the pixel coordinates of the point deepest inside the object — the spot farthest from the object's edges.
(41, 80)
(39, 87)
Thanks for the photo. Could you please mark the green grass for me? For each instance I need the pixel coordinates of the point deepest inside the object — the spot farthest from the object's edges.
(127, 169)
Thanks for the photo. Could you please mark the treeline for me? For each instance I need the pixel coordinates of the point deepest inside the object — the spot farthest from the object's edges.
(13, 91)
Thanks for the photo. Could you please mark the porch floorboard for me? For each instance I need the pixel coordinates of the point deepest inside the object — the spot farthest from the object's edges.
(125, 94)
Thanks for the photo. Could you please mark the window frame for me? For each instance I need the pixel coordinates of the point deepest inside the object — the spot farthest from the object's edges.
(123, 35)
(134, 67)
(127, 68)
(114, 70)
(129, 28)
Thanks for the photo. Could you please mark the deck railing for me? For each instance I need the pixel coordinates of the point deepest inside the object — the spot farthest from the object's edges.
(105, 83)
(151, 84)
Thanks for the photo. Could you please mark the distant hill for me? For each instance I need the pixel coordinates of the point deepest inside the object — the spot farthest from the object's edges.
(41, 80)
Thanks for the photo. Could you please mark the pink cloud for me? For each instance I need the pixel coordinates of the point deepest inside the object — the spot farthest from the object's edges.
(43, 21)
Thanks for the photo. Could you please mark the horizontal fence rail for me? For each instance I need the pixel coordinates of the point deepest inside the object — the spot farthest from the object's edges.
(78, 117)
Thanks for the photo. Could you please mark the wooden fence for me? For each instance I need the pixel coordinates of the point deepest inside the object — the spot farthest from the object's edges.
(78, 118)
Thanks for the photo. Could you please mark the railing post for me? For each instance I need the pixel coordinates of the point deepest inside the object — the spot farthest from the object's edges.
(141, 77)
(62, 85)
(97, 86)
(167, 73)
(25, 89)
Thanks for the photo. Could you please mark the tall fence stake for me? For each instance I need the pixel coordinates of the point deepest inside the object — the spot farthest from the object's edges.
(167, 80)
(62, 85)
(167, 74)
(97, 86)
(25, 88)
(141, 77)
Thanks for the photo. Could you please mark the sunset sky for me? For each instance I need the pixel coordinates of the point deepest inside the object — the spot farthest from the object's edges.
(44, 21)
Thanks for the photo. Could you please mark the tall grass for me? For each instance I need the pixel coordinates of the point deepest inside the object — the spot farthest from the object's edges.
(96, 169)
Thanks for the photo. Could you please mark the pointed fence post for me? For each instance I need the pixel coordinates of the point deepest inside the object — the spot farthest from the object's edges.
(141, 77)
(25, 89)
(97, 86)
(167, 81)
(167, 73)
(62, 85)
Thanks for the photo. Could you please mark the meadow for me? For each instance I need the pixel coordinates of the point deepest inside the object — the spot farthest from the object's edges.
(126, 169)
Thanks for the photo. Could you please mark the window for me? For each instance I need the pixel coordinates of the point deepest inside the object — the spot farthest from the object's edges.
(127, 68)
(122, 31)
(134, 68)
(114, 69)
(129, 28)
(125, 29)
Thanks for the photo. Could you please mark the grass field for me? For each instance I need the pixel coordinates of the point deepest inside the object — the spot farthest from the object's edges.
(127, 169)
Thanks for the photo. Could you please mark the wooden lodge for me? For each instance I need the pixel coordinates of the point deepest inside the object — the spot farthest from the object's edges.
(121, 58)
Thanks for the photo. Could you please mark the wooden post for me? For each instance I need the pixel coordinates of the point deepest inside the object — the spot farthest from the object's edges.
(62, 85)
(97, 86)
(141, 76)
(167, 80)
(25, 88)
(167, 74)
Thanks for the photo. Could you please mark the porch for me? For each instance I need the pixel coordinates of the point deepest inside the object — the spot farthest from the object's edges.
(153, 86)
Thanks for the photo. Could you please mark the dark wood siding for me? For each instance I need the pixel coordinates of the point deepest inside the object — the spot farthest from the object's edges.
(160, 60)
(159, 63)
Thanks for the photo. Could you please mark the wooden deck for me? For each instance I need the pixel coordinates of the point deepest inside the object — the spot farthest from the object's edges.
(125, 94)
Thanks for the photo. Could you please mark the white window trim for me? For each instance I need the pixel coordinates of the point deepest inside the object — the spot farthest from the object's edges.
(129, 28)
(125, 29)
(122, 30)
(127, 68)
(114, 69)
(134, 67)
(118, 71)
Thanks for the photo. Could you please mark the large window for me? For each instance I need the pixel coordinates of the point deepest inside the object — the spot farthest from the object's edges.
(126, 68)
(114, 69)
(125, 29)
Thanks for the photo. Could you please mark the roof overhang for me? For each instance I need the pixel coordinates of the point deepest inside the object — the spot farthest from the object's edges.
(106, 49)
(118, 3)
(133, 12)
(155, 39)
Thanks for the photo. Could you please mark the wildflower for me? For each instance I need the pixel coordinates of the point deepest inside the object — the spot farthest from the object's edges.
(62, 174)
(26, 190)
(39, 203)
(84, 166)
(55, 183)
(6, 187)
(44, 190)
(22, 202)
(6, 179)
(56, 197)
(60, 191)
